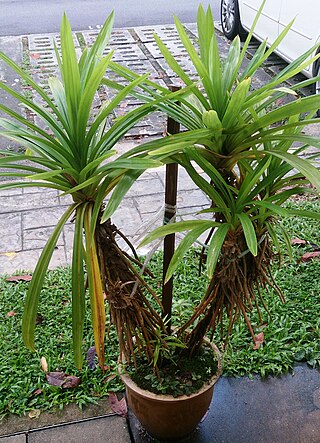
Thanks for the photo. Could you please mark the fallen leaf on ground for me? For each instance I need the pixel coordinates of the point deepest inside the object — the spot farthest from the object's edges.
(44, 364)
(16, 278)
(298, 242)
(309, 256)
(11, 314)
(258, 340)
(71, 381)
(109, 378)
(62, 380)
(36, 392)
(119, 407)
(34, 413)
(55, 378)
(91, 355)
(35, 55)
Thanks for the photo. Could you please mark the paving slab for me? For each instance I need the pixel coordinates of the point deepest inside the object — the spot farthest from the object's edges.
(21, 438)
(111, 429)
(12, 47)
(71, 413)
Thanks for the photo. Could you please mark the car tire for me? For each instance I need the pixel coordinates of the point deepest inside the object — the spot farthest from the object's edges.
(316, 85)
(230, 19)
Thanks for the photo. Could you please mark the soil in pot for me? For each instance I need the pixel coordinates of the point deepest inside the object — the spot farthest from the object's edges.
(179, 376)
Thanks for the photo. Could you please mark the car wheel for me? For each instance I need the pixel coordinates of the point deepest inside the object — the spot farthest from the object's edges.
(230, 19)
(316, 85)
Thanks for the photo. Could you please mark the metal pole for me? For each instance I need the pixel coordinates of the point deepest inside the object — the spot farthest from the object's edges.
(171, 186)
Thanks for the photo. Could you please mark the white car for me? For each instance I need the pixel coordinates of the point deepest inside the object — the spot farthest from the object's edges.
(237, 16)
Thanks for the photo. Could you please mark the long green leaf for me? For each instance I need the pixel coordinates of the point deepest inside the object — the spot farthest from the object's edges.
(184, 246)
(249, 233)
(200, 67)
(306, 168)
(78, 286)
(172, 228)
(215, 246)
(32, 299)
(174, 65)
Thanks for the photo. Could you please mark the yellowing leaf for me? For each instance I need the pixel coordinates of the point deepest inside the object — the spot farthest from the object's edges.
(44, 364)
(34, 413)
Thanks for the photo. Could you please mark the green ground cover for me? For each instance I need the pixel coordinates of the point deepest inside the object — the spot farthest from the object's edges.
(292, 334)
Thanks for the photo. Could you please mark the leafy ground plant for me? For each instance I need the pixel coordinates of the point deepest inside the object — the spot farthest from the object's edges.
(291, 335)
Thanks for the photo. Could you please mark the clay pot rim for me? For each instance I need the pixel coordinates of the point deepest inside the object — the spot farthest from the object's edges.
(125, 377)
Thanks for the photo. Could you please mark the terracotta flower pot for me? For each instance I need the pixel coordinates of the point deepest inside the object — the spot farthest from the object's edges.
(166, 417)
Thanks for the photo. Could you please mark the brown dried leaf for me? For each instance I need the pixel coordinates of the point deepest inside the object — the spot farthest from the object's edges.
(36, 392)
(35, 55)
(34, 413)
(16, 278)
(71, 381)
(298, 242)
(118, 406)
(109, 378)
(11, 314)
(63, 380)
(56, 378)
(258, 340)
(308, 256)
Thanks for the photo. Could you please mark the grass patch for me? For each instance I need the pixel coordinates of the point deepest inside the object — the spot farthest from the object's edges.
(21, 377)
(293, 333)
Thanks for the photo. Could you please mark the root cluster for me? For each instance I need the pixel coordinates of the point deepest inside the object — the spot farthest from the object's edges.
(136, 321)
(233, 289)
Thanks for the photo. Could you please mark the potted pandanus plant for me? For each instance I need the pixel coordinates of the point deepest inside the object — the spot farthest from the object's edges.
(249, 157)
(238, 149)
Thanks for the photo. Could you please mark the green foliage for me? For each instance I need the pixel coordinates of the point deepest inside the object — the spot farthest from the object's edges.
(165, 347)
(292, 334)
(73, 156)
(247, 151)
(247, 155)
(239, 149)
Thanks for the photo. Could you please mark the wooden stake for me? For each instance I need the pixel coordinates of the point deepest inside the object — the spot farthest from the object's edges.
(171, 185)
